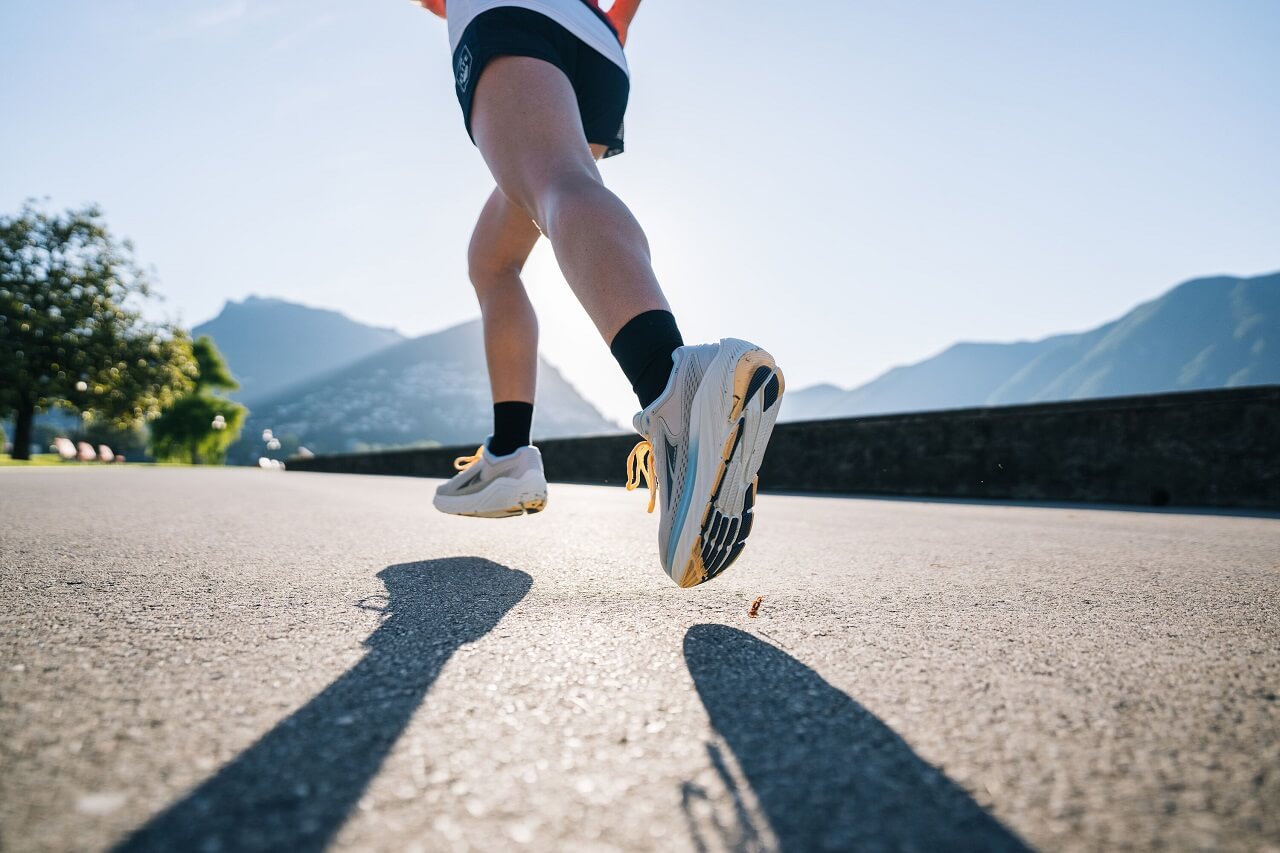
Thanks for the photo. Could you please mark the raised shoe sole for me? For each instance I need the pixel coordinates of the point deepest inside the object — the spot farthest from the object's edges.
(734, 412)
(505, 497)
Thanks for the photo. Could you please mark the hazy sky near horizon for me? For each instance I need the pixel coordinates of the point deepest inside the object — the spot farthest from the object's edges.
(854, 185)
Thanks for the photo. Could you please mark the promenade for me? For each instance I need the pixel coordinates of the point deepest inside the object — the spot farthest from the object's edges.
(222, 659)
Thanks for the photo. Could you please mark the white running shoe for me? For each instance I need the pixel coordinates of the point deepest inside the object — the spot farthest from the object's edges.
(491, 486)
(704, 440)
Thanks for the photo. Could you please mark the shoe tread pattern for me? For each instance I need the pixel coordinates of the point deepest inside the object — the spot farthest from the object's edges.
(723, 532)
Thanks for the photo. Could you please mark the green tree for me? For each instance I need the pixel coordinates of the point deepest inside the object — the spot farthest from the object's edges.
(211, 370)
(71, 330)
(199, 427)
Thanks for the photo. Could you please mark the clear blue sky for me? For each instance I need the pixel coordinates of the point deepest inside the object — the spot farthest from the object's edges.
(852, 184)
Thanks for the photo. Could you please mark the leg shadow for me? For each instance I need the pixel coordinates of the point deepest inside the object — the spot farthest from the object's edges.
(827, 773)
(293, 789)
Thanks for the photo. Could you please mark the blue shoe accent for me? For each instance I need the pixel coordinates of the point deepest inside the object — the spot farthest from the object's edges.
(677, 524)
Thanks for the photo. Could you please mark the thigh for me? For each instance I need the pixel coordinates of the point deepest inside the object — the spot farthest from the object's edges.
(503, 237)
(525, 122)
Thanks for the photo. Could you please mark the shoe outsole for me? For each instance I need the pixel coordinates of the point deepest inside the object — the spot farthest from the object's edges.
(529, 507)
(722, 536)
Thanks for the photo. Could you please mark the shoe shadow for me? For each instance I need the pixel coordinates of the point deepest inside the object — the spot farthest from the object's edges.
(294, 788)
(827, 774)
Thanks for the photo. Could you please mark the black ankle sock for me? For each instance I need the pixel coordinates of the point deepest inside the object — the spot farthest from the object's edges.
(511, 423)
(643, 349)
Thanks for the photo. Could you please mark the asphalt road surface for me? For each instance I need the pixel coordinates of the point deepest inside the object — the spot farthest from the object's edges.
(218, 660)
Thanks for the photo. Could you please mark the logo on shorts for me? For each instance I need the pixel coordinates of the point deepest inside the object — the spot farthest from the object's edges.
(464, 68)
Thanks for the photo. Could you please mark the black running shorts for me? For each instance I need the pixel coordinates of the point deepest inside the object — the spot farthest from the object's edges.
(601, 86)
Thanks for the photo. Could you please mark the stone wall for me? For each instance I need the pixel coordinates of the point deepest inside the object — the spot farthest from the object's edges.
(1216, 448)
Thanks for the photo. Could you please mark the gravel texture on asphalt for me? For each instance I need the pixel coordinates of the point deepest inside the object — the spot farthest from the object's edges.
(226, 659)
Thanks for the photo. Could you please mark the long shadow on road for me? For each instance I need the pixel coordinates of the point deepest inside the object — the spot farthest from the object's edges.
(827, 773)
(293, 789)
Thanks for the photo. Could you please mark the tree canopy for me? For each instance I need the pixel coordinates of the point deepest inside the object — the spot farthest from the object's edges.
(72, 332)
(200, 426)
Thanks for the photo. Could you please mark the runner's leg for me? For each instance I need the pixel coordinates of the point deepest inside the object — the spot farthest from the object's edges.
(500, 244)
(720, 402)
(526, 124)
(503, 238)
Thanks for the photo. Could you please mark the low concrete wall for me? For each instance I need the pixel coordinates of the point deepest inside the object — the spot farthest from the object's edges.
(1205, 448)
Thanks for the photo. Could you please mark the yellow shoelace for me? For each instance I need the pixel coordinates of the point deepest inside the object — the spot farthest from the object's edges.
(640, 463)
(462, 463)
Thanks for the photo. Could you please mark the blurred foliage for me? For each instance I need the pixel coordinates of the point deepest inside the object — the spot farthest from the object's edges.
(184, 432)
(211, 369)
(199, 427)
(71, 330)
(130, 442)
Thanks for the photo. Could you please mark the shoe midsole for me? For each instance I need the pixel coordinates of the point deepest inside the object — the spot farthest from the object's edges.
(710, 426)
(502, 493)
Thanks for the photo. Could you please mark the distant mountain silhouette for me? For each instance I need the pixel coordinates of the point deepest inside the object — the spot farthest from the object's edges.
(1206, 333)
(434, 388)
(271, 344)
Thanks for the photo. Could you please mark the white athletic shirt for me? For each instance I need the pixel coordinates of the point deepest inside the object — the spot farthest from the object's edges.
(573, 15)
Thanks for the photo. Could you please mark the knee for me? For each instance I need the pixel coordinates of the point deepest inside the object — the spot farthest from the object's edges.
(490, 273)
(554, 191)
(566, 189)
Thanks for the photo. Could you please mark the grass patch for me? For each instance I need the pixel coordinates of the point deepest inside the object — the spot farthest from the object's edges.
(46, 460)
(7, 461)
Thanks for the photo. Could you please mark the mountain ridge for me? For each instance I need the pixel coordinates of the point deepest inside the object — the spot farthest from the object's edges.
(432, 388)
(272, 344)
(1208, 332)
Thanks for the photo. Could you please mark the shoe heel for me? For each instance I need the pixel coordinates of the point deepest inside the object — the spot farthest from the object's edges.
(754, 370)
(773, 390)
